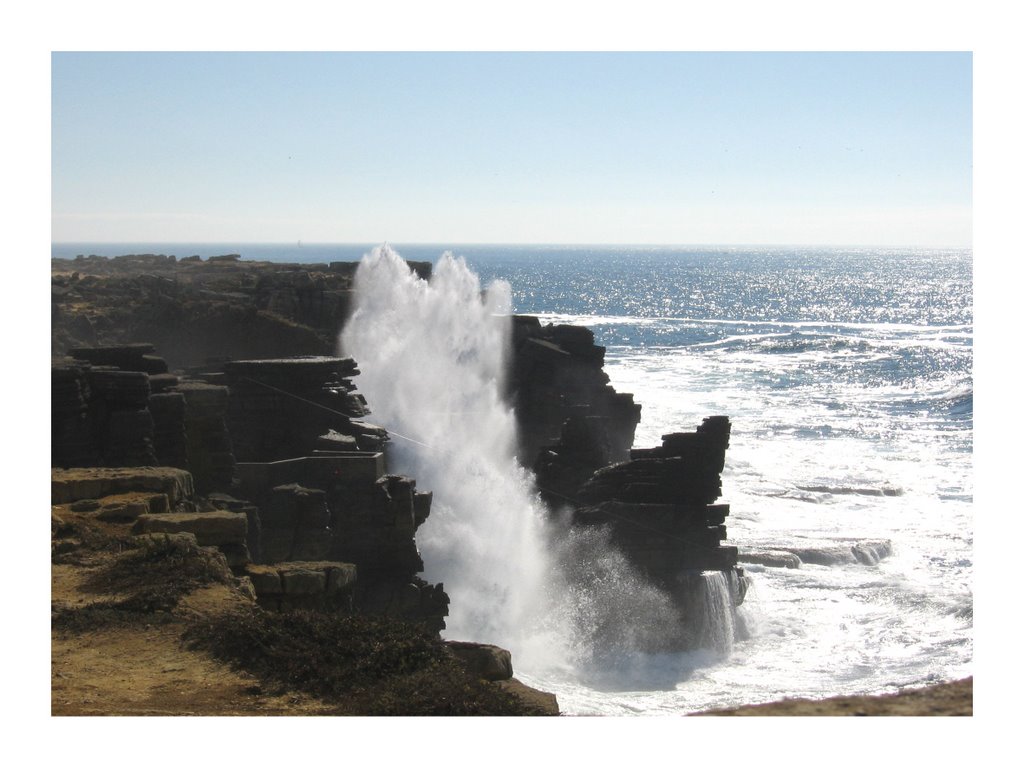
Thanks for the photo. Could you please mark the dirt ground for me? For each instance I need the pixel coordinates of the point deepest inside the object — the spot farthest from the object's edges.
(956, 698)
(148, 670)
(142, 667)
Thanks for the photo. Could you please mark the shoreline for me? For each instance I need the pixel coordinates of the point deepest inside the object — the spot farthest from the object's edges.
(289, 313)
(952, 698)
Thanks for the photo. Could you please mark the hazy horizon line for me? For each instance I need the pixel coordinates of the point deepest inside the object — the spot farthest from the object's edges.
(449, 243)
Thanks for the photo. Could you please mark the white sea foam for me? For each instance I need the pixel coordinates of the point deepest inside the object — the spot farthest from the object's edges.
(814, 631)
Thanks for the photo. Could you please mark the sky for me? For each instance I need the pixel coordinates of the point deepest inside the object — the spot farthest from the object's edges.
(536, 147)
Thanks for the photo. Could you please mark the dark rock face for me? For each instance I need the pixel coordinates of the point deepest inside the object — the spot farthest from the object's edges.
(116, 406)
(100, 413)
(295, 525)
(557, 373)
(658, 509)
(685, 469)
(290, 407)
(345, 508)
(211, 458)
(71, 437)
(311, 485)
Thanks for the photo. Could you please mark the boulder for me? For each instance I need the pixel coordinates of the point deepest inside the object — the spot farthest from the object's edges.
(488, 662)
(541, 702)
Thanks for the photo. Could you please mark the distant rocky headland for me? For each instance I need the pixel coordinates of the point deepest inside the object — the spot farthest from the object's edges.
(215, 468)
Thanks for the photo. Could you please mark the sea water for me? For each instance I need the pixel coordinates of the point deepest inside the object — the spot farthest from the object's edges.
(847, 375)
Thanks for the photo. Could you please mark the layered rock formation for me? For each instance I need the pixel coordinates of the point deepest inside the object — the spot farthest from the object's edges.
(289, 407)
(557, 373)
(658, 509)
(316, 585)
(282, 441)
(279, 468)
(117, 406)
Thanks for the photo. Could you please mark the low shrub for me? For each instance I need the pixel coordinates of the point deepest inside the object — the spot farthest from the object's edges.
(156, 572)
(367, 665)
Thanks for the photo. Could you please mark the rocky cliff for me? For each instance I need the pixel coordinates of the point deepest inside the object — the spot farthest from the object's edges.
(283, 441)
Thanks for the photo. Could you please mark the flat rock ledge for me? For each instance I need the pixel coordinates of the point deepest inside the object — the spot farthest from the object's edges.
(301, 578)
(308, 584)
(210, 528)
(69, 485)
(223, 529)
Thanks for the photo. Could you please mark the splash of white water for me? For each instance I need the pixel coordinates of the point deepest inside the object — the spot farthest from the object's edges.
(717, 600)
(432, 356)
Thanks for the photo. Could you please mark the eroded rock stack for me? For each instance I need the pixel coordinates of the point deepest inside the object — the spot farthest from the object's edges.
(557, 372)
(660, 504)
(685, 470)
(100, 407)
(658, 508)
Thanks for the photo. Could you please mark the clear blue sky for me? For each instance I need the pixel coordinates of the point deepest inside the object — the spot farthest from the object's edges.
(795, 148)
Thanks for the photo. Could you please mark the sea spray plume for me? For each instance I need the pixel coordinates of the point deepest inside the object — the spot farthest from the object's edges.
(433, 357)
(433, 361)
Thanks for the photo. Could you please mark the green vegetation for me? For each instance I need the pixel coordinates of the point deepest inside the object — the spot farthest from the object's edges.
(367, 665)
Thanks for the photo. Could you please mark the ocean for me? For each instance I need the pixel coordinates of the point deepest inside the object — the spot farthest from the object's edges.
(848, 377)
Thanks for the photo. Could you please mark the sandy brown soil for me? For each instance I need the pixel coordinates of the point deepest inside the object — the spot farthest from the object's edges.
(956, 698)
(147, 671)
(111, 657)
(144, 668)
